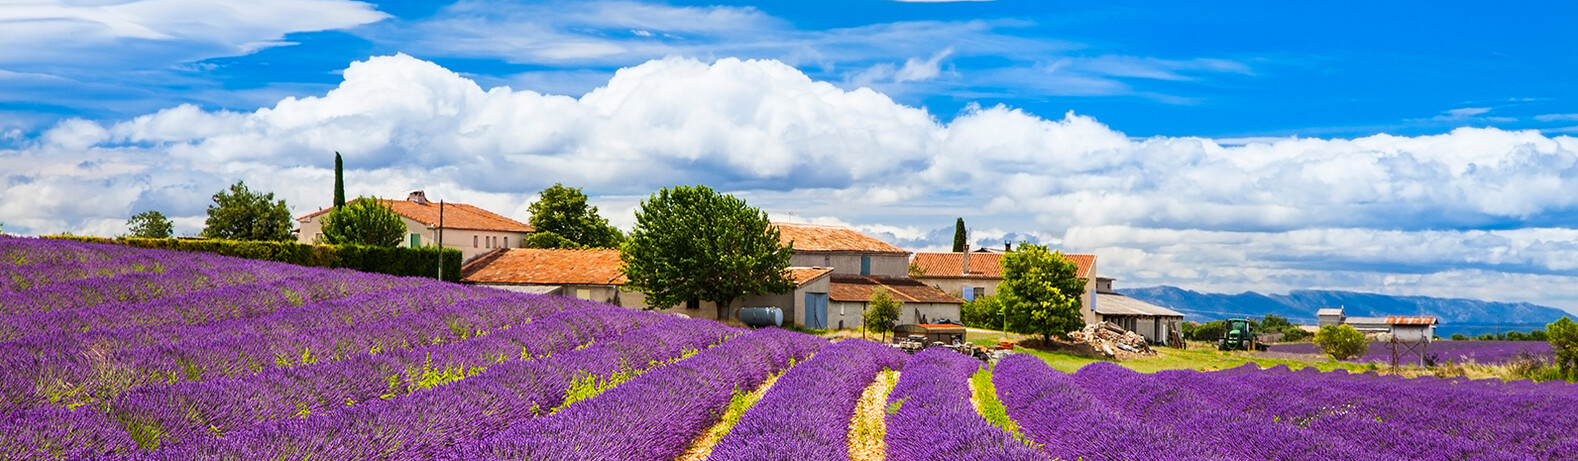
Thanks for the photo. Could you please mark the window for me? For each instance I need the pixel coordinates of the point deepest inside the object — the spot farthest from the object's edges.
(473, 241)
(978, 292)
(865, 265)
(416, 240)
(583, 293)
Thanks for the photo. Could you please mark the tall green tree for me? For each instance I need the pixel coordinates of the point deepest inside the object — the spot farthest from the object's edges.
(691, 243)
(150, 224)
(563, 211)
(241, 214)
(364, 221)
(882, 312)
(959, 236)
(1563, 336)
(339, 181)
(1040, 292)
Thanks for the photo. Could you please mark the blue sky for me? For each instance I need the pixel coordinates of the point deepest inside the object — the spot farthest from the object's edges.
(1231, 146)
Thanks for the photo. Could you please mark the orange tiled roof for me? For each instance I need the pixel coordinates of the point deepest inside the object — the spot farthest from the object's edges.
(456, 216)
(808, 237)
(804, 275)
(535, 266)
(858, 288)
(985, 265)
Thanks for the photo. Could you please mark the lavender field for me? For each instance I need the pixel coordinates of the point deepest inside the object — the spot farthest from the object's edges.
(122, 353)
(1481, 352)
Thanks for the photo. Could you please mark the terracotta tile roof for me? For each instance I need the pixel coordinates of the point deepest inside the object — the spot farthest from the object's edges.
(804, 275)
(535, 266)
(985, 265)
(808, 237)
(456, 216)
(1401, 320)
(858, 288)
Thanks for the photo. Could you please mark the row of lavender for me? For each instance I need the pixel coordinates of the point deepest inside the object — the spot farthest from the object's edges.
(1104, 411)
(203, 348)
(1481, 352)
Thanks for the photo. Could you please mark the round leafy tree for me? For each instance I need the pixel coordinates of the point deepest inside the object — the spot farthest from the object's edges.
(1040, 291)
(241, 214)
(563, 211)
(151, 225)
(1341, 342)
(364, 221)
(693, 244)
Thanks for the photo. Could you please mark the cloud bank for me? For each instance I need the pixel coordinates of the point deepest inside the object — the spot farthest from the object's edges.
(1465, 213)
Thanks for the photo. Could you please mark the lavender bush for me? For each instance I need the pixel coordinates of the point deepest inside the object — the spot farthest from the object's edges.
(1105, 412)
(805, 414)
(1481, 352)
(934, 419)
(657, 415)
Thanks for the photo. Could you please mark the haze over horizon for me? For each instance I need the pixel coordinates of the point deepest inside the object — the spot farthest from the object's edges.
(1222, 148)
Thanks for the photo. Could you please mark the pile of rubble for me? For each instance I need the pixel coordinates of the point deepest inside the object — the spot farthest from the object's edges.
(1110, 338)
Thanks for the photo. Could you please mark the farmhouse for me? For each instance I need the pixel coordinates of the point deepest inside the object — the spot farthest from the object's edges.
(842, 249)
(851, 295)
(467, 228)
(976, 274)
(593, 274)
(860, 264)
(585, 274)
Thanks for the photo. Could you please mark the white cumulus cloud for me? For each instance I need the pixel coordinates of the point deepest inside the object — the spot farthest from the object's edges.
(1410, 214)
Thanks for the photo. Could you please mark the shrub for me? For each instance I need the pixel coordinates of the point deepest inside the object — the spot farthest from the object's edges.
(1341, 342)
(406, 262)
(982, 312)
(1459, 337)
(1210, 331)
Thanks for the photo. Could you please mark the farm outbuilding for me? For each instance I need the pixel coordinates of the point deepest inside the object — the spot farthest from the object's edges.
(923, 303)
(1155, 322)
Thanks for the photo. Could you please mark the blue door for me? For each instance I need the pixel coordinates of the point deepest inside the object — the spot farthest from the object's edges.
(816, 310)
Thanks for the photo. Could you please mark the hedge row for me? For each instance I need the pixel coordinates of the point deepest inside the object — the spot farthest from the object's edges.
(418, 262)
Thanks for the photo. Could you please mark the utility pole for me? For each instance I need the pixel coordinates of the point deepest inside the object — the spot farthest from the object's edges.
(440, 240)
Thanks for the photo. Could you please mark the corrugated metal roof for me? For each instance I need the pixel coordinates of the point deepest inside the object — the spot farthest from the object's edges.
(1406, 320)
(1329, 311)
(1367, 320)
(1116, 304)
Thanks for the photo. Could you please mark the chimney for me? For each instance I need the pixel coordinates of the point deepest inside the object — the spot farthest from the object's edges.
(417, 197)
(966, 258)
(1008, 247)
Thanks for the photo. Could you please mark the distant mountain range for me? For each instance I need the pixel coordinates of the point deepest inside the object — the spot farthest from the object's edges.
(1467, 316)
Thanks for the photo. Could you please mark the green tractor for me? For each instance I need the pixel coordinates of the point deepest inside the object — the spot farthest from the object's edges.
(1240, 336)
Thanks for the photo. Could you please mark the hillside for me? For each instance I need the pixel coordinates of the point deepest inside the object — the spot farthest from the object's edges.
(1465, 316)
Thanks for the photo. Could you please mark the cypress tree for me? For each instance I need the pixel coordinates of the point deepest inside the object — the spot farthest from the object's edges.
(339, 181)
(958, 236)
